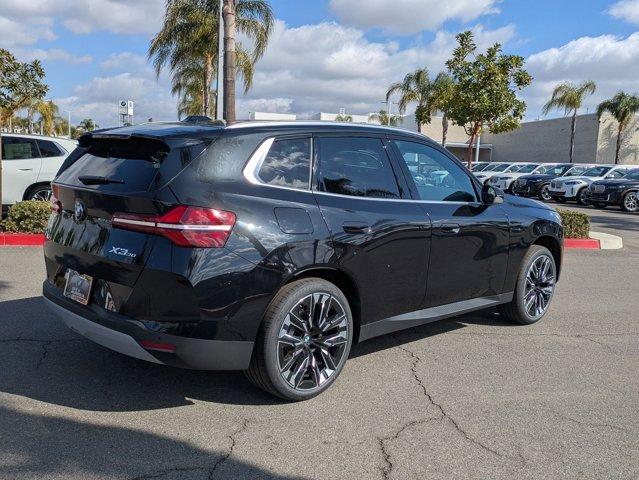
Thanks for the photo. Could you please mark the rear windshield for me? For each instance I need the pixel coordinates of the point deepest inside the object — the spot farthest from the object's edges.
(133, 164)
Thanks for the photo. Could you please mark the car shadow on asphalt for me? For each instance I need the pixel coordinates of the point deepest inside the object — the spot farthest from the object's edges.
(41, 445)
(42, 359)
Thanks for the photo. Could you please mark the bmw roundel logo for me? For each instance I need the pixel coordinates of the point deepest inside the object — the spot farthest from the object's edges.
(79, 212)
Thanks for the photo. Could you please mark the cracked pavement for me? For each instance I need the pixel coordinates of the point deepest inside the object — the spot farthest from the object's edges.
(470, 398)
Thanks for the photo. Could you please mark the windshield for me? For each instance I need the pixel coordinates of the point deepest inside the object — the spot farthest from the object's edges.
(633, 175)
(478, 167)
(574, 171)
(529, 168)
(596, 171)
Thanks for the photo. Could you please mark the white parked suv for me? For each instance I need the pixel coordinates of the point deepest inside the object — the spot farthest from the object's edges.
(29, 163)
(494, 169)
(574, 188)
(504, 181)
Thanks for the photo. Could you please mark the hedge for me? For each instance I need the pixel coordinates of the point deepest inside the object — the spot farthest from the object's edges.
(576, 224)
(30, 216)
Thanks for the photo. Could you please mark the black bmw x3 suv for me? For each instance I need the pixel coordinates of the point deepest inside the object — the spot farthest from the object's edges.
(623, 192)
(273, 247)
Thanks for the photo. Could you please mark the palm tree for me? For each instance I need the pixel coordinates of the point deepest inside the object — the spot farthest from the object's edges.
(383, 118)
(416, 88)
(439, 99)
(569, 97)
(189, 79)
(88, 125)
(623, 107)
(343, 118)
(48, 111)
(188, 42)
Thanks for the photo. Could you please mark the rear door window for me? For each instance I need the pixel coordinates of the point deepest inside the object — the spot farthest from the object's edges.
(19, 148)
(356, 166)
(288, 163)
(49, 149)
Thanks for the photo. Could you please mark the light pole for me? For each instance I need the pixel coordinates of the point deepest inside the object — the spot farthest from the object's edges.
(219, 103)
(389, 106)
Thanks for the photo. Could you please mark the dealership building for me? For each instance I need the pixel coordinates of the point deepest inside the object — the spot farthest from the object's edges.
(545, 140)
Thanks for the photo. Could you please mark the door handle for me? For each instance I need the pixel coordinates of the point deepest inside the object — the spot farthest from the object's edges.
(25, 169)
(356, 227)
(450, 228)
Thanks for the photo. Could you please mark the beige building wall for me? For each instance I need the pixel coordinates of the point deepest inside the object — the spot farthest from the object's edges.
(433, 130)
(548, 141)
(629, 152)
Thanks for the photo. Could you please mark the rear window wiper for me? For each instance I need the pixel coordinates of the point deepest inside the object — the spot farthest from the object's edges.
(98, 180)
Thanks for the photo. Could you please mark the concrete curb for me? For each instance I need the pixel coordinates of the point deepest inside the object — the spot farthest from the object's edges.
(607, 241)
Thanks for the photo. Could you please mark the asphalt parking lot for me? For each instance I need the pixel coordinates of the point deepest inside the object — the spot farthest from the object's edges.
(471, 397)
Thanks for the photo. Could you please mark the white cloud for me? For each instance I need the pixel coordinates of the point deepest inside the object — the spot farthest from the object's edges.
(611, 61)
(409, 16)
(627, 10)
(345, 69)
(15, 33)
(86, 16)
(53, 55)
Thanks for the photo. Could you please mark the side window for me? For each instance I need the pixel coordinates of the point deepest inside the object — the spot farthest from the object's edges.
(18, 148)
(437, 177)
(288, 163)
(49, 149)
(356, 166)
(616, 174)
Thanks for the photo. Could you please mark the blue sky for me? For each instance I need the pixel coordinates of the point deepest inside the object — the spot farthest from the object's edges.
(324, 54)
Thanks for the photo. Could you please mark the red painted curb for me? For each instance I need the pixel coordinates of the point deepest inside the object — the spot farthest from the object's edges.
(21, 239)
(582, 243)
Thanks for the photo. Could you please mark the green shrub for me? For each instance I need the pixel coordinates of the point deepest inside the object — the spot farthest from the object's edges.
(27, 217)
(576, 224)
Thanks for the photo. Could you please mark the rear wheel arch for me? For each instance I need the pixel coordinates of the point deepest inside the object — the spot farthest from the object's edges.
(33, 187)
(342, 281)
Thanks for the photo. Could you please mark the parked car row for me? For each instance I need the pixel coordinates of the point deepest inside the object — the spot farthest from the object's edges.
(29, 163)
(586, 184)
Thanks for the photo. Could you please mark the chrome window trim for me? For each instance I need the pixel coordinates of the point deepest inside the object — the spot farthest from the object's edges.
(255, 163)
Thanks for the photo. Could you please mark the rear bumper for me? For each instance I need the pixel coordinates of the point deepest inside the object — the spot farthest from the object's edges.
(124, 335)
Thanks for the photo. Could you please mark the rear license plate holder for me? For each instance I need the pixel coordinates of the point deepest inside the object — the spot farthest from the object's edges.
(78, 287)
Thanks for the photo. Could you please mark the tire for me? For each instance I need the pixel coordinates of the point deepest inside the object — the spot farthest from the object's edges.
(544, 195)
(282, 340)
(39, 192)
(518, 310)
(630, 202)
(581, 196)
(560, 199)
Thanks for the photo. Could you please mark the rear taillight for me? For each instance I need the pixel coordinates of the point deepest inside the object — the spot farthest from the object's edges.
(185, 226)
(56, 205)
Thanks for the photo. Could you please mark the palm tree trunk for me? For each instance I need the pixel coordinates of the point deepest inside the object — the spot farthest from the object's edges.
(572, 135)
(618, 148)
(229, 61)
(208, 78)
(444, 129)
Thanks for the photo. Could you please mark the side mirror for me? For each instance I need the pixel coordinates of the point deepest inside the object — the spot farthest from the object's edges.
(491, 195)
